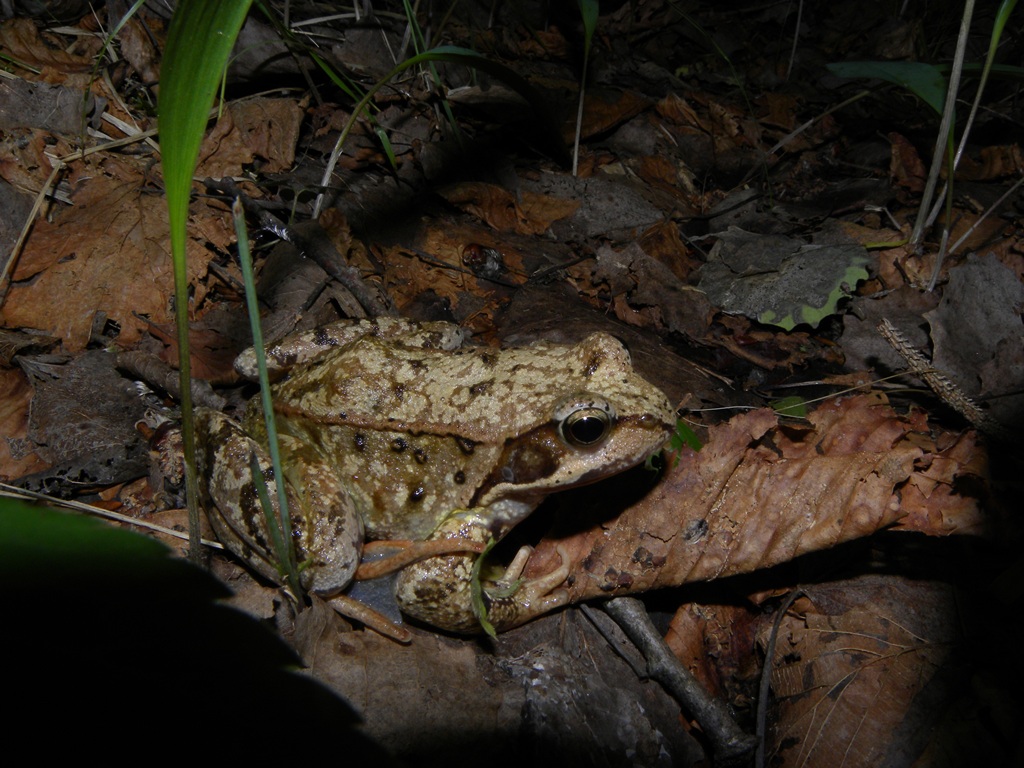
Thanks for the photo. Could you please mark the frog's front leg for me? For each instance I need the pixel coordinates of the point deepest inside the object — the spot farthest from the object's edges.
(439, 590)
(326, 530)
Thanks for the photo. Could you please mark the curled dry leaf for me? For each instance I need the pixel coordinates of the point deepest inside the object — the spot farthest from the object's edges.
(761, 493)
(532, 214)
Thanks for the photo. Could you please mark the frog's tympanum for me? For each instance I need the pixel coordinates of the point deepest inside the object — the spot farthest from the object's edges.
(389, 430)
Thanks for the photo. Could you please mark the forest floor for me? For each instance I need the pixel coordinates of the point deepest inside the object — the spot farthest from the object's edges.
(837, 502)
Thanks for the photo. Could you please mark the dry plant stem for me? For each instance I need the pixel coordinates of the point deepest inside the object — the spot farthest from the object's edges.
(728, 740)
(960, 150)
(13, 492)
(796, 38)
(766, 676)
(949, 392)
(938, 157)
(992, 209)
(152, 370)
(316, 246)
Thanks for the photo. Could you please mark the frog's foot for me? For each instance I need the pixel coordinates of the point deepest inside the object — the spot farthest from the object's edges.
(441, 590)
(364, 614)
(408, 552)
(512, 601)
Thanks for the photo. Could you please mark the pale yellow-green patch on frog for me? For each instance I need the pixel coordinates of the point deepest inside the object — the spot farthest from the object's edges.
(390, 430)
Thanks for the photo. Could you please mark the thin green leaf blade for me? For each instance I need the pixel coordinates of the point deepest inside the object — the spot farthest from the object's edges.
(924, 80)
(199, 42)
(589, 11)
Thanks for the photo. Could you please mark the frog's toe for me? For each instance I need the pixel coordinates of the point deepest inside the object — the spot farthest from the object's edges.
(532, 597)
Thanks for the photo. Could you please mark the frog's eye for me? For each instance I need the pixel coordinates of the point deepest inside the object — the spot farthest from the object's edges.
(584, 422)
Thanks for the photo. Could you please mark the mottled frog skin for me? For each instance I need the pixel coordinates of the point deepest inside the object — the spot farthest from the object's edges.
(392, 430)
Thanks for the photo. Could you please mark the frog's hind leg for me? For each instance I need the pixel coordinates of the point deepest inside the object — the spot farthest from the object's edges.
(226, 487)
(326, 530)
(364, 614)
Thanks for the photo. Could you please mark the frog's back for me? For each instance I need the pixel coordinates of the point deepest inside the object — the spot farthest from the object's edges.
(476, 394)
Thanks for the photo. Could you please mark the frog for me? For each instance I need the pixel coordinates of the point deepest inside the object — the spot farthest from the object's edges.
(396, 431)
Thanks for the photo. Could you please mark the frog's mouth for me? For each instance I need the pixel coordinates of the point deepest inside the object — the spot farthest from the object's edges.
(542, 462)
(566, 514)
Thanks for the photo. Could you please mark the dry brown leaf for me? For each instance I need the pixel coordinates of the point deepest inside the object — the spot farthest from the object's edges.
(681, 113)
(663, 243)
(20, 39)
(930, 499)
(409, 278)
(760, 493)
(488, 202)
(848, 666)
(109, 252)
(266, 128)
(541, 211)
(665, 174)
(139, 48)
(780, 110)
(23, 158)
(603, 110)
(716, 643)
(905, 166)
(544, 43)
(16, 458)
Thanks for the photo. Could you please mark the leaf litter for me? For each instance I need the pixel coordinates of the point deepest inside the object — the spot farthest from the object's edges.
(470, 233)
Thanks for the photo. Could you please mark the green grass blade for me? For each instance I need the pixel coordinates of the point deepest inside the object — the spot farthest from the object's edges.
(199, 42)
(279, 527)
(589, 12)
(925, 81)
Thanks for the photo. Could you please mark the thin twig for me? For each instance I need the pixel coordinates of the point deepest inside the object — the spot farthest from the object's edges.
(728, 739)
(766, 676)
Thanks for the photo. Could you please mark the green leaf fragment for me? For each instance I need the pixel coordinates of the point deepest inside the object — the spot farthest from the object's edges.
(476, 590)
(793, 405)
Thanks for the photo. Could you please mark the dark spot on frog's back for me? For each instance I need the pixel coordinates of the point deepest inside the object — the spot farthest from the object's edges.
(466, 445)
(399, 444)
(592, 364)
(399, 391)
(481, 388)
(420, 456)
(359, 441)
(323, 339)
(417, 493)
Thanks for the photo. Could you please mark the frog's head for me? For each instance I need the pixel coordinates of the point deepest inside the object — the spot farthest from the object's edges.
(602, 419)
